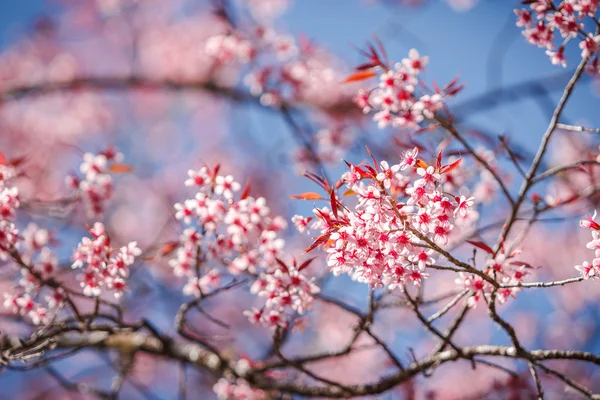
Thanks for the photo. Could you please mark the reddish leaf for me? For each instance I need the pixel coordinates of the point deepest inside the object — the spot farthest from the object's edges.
(318, 241)
(421, 164)
(246, 191)
(449, 168)
(15, 162)
(121, 168)
(455, 90)
(381, 48)
(168, 248)
(333, 202)
(308, 196)
(360, 76)
(521, 264)
(365, 66)
(451, 84)
(216, 171)
(306, 264)
(349, 192)
(481, 245)
(372, 172)
(373, 158)
(282, 264)
(438, 160)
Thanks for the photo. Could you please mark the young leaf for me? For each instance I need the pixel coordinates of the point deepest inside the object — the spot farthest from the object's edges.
(308, 196)
(448, 168)
(360, 76)
(121, 168)
(481, 245)
(318, 241)
(306, 263)
(282, 264)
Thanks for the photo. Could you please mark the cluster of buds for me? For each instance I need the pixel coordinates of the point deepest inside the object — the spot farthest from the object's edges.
(591, 270)
(398, 101)
(401, 217)
(96, 185)
(545, 19)
(104, 267)
(240, 234)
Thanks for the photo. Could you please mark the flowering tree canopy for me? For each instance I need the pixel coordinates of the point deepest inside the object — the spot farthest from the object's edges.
(372, 242)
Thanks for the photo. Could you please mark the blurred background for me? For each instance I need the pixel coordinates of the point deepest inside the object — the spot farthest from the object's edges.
(170, 126)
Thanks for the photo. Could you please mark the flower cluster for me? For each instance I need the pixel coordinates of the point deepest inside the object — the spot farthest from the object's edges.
(390, 236)
(9, 202)
(280, 68)
(396, 101)
(39, 264)
(243, 236)
(501, 268)
(96, 185)
(591, 270)
(545, 19)
(287, 291)
(37, 261)
(237, 388)
(103, 266)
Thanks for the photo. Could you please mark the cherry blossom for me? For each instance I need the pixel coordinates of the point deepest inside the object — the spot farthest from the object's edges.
(591, 270)
(397, 101)
(104, 267)
(545, 19)
(242, 235)
(96, 187)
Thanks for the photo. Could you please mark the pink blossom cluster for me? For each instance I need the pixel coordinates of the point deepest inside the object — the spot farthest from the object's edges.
(96, 186)
(280, 69)
(26, 298)
(9, 202)
(544, 20)
(172, 50)
(243, 236)
(104, 268)
(287, 291)
(397, 101)
(237, 388)
(386, 238)
(591, 270)
(35, 254)
(502, 268)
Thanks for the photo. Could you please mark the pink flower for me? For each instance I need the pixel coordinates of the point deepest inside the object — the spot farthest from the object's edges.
(415, 63)
(587, 270)
(589, 45)
(590, 222)
(93, 165)
(387, 174)
(409, 158)
(225, 185)
(198, 178)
